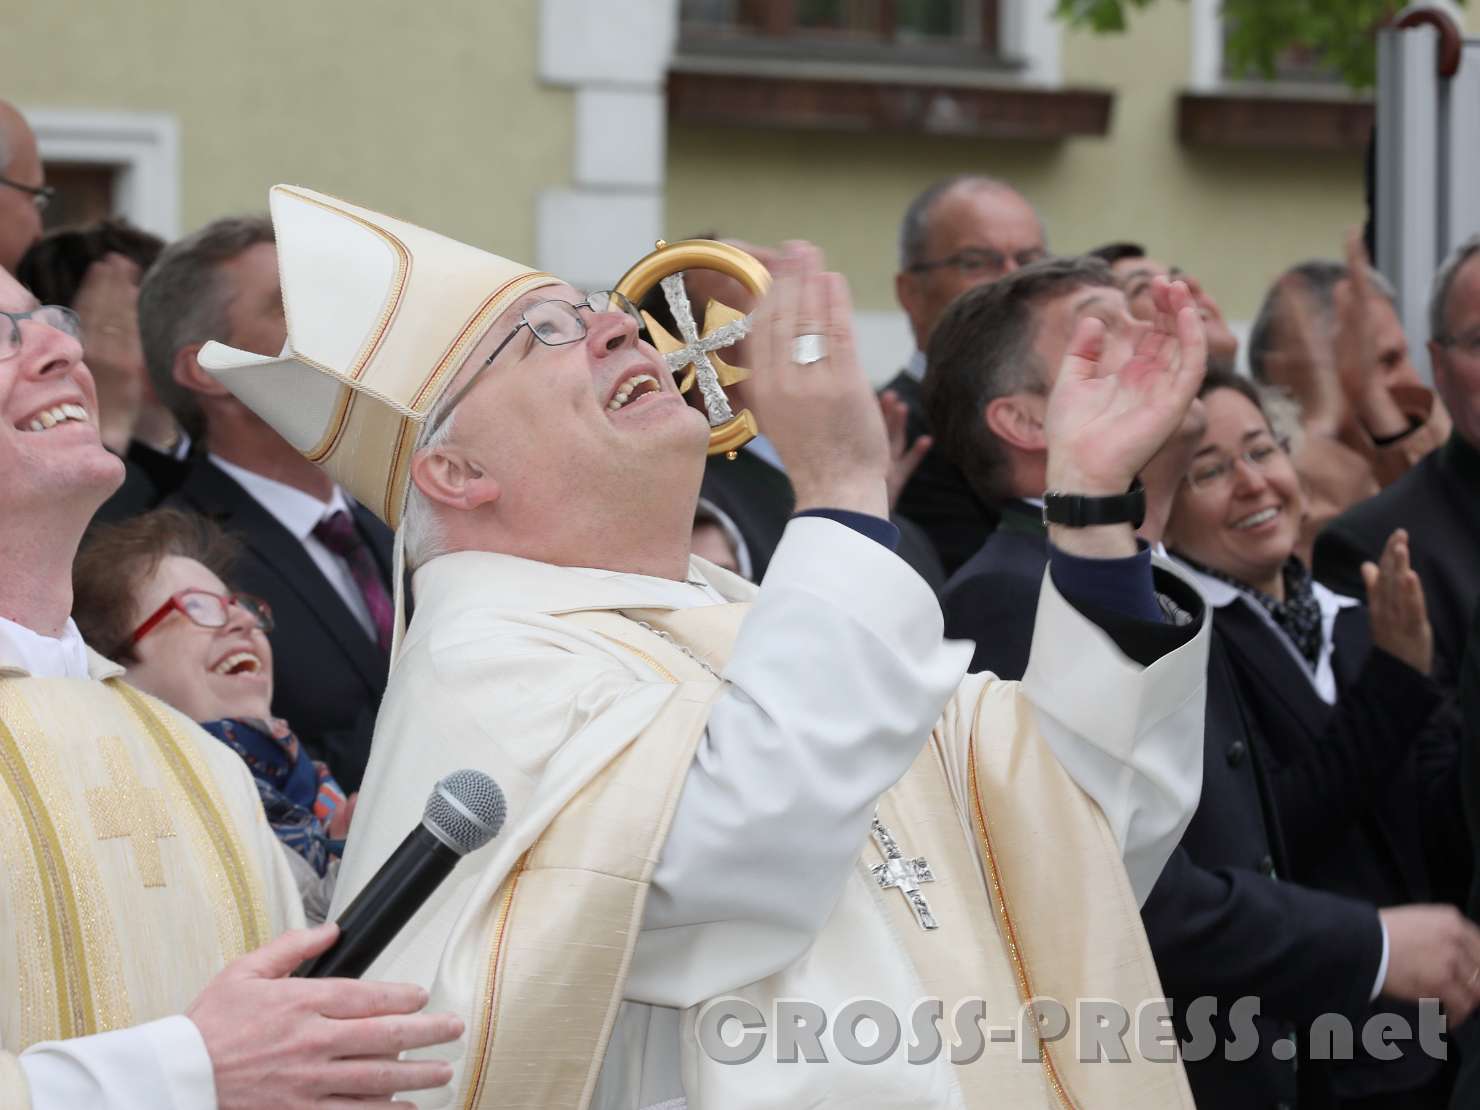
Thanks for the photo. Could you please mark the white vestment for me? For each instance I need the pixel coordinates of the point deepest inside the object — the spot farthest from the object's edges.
(111, 922)
(837, 677)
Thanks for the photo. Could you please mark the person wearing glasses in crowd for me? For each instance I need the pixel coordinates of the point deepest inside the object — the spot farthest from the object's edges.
(956, 234)
(1343, 709)
(24, 193)
(149, 594)
(144, 892)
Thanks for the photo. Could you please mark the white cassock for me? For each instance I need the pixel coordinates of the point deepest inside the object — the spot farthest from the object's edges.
(830, 691)
(137, 863)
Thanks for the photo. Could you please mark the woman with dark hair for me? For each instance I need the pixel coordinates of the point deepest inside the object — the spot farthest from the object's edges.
(149, 594)
(1361, 768)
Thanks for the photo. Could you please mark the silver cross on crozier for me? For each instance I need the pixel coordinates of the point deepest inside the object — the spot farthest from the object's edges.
(696, 348)
(904, 875)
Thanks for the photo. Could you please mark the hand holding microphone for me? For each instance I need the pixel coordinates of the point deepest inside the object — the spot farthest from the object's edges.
(464, 812)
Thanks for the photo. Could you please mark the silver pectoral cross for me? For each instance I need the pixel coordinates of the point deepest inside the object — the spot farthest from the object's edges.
(904, 875)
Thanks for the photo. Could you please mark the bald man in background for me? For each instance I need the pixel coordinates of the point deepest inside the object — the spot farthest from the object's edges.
(23, 192)
(956, 234)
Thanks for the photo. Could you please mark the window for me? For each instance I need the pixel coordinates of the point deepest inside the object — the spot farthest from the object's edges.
(84, 194)
(1295, 64)
(961, 32)
(1304, 106)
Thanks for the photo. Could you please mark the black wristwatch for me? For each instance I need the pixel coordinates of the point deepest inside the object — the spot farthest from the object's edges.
(1075, 511)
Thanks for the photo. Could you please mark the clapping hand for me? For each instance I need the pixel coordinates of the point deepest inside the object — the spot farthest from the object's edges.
(1358, 366)
(1400, 618)
(904, 457)
(107, 305)
(1114, 405)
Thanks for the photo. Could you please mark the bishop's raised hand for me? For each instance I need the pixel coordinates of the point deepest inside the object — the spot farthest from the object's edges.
(821, 415)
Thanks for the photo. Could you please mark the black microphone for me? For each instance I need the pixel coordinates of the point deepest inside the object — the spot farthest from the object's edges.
(465, 811)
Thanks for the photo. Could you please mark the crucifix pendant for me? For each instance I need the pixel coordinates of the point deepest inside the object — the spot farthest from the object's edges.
(904, 875)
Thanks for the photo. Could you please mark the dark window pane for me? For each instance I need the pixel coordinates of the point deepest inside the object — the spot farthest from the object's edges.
(84, 193)
(954, 25)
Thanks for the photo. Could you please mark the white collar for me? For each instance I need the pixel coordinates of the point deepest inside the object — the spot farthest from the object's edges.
(915, 367)
(24, 651)
(1219, 594)
(295, 510)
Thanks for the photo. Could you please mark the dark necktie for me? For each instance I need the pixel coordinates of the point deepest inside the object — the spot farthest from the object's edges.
(338, 533)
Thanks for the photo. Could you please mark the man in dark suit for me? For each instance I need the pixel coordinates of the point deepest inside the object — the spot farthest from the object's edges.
(755, 493)
(957, 234)
(1222, 925)
(1438, 501)
(320, 560)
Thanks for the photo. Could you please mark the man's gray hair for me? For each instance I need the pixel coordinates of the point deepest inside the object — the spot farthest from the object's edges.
(1319, 277)
(1444, 283)
(184, 299)
(914, 229)
(982, 349)
(421, 527)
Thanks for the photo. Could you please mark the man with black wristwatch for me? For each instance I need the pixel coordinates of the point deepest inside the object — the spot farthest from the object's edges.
(1223, 923)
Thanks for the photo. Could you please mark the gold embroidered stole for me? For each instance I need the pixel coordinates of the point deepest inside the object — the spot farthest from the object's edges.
(84, 889)
(1052, 882)
(569, 914)
(1053, 916)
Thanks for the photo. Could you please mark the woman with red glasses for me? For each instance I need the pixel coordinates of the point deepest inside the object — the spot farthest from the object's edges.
(148, 594)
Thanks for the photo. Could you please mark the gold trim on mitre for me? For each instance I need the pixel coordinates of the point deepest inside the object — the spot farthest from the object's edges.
(381, 315)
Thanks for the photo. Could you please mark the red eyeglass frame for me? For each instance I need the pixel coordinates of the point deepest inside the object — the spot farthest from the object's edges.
(175, 603)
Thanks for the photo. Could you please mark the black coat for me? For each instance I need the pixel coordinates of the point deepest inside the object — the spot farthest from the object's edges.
(328, 674)
(149, 477)
(759, 499)
(1356, 791)
(1220, 923)
(938, 497)
(1438, 502)
(1467, 1085)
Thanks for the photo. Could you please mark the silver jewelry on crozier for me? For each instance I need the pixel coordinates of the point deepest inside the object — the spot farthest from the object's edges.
(809, 348)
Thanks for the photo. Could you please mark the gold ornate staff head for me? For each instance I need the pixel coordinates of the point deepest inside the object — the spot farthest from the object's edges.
(690, 356)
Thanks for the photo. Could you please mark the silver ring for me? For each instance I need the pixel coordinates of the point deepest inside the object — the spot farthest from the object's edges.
(809, 348)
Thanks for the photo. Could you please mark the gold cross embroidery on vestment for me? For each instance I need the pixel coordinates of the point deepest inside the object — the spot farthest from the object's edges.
(129, 808)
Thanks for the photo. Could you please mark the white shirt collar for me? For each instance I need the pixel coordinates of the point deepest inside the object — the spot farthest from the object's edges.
(295, 510)
(28, 652)
(1219, 594)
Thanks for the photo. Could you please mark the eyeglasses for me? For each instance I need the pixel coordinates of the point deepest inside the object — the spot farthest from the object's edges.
(553, 323)
(1216, 473)
(51, 315)
(981, 260)
(1467, 344)
(206, 609)
(41, 195)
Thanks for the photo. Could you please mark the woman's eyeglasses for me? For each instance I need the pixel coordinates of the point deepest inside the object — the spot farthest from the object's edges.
(206, 609)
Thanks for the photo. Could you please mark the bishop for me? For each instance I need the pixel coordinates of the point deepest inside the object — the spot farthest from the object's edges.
(695, 766)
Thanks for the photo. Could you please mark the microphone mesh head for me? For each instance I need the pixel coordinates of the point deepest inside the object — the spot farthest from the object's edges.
(465, 811)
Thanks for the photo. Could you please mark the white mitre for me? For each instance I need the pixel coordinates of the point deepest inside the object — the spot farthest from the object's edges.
(381, 314)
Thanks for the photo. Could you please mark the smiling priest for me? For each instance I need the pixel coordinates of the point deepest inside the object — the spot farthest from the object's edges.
(719, 792)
